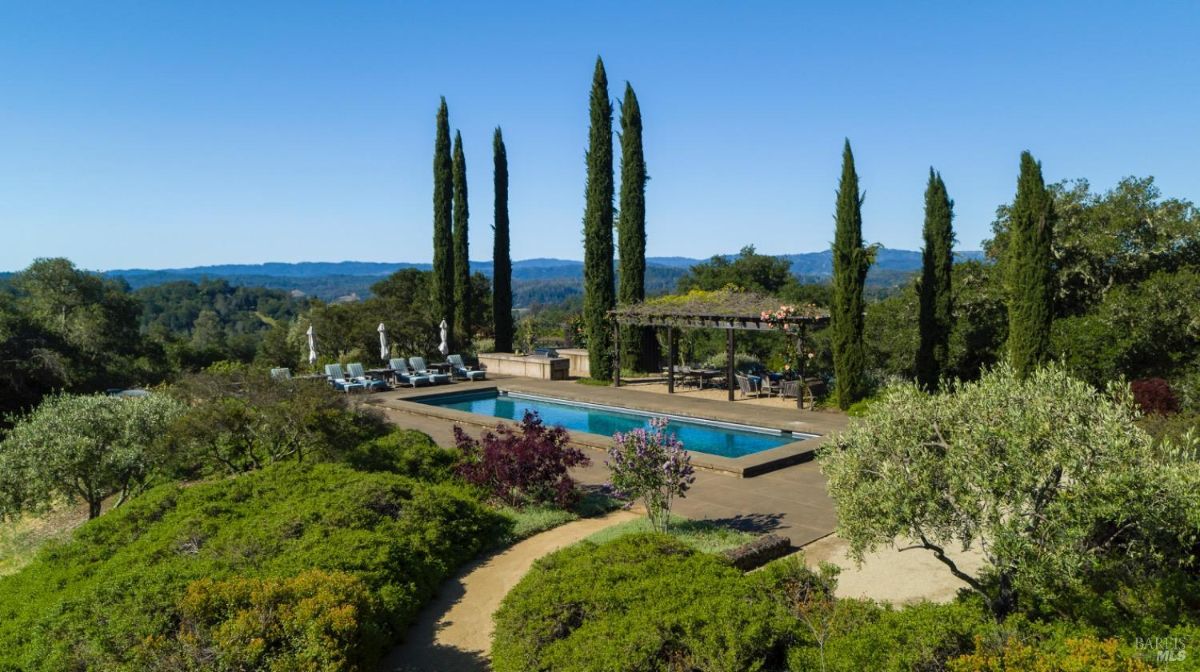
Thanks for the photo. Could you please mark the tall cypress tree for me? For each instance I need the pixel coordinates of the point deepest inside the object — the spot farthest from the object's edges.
(462, 259)
(935, 319)
(639, 344)
(598, 291)
(1030, 270)
(501, 261)
(850, 263)
(443, 241)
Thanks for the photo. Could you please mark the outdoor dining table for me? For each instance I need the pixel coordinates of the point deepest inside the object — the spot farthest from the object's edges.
(700, 375)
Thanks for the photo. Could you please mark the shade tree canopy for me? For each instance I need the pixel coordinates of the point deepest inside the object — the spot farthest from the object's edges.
(1046, 476)
(81, 448)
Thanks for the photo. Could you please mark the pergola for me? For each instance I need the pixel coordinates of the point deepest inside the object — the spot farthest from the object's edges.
(726, 309)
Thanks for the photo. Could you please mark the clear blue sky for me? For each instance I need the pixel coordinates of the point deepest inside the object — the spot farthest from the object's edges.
(161, 134)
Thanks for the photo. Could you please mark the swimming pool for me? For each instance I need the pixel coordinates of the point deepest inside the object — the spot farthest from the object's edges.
(701, 436)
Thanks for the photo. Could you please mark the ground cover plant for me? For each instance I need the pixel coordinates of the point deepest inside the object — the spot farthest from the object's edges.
(295, 566)
(640, 602)
(647, 602)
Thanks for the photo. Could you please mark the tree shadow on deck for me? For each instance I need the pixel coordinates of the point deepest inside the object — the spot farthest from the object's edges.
(758, 523)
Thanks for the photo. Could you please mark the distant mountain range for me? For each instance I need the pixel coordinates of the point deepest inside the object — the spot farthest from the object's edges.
(534, 280)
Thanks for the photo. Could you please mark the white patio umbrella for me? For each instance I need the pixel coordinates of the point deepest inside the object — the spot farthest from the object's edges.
(383, 344)
(312, 346)
(444, 348)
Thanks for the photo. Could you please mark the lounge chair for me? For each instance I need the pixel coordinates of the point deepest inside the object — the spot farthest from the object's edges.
(281, 374)
(405, 375)
(418, 365)
(359, 376)
(749, 386)
(460, 370)
(338, 379)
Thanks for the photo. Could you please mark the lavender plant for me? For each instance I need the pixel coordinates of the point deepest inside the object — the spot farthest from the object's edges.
(651, 465)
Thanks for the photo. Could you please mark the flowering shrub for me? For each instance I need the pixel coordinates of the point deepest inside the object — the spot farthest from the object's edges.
(793, 352)
(781, 317)
(316, 620)
(651, 466)
(522, 467)
(1154, 396)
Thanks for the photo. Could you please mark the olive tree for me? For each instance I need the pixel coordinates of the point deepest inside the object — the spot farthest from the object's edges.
(1045, 476)
(81, 447)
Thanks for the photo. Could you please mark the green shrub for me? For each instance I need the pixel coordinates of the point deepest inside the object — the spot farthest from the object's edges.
(239, 419)
(868, 636)
(115, 596)
(861, 407)
(1067, 654)
(742, 362)
(407, 453)
(642, 602)
(313, 621)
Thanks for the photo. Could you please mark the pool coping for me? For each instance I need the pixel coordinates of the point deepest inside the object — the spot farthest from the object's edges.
(746, 466)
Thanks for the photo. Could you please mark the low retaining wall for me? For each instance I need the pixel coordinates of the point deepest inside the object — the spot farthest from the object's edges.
(580, 367)
(528, 366)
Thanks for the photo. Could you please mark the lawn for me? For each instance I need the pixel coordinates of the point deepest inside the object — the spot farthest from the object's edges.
(702, 535)
(20, 539)
(531, 520)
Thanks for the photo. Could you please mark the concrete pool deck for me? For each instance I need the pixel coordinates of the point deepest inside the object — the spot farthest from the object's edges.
(789, 501)
(811, 427)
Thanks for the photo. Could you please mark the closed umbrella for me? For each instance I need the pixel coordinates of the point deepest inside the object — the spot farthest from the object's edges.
(312, 346)
(383, 344)
(444, 348)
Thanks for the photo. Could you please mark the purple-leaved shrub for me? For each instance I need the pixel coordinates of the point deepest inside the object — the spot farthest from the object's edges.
(522, 467)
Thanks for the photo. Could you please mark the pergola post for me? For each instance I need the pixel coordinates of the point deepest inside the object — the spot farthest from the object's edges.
(671, 352)
(729, 381)
(616, 353)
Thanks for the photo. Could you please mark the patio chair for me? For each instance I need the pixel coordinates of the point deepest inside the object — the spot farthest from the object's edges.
(359, 376)
(405, 375)
(749, 386)
(338, 379)
(461, 371)
(418, 365)
(281, 374)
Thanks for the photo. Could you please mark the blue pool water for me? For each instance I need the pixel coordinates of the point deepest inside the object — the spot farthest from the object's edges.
(697, 435)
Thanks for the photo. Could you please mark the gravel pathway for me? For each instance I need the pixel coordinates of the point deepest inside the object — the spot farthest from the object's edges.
(454, 632)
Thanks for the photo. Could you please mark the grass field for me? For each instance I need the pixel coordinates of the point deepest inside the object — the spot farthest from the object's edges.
(20, 539)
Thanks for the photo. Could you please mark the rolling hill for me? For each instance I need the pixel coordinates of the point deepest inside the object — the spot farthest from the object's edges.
(534, 280)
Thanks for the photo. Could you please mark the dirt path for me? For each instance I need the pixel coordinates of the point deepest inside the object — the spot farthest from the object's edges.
(454, 632)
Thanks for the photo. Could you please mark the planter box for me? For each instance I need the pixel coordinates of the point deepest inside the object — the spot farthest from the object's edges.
(527, 366)
(579, 362)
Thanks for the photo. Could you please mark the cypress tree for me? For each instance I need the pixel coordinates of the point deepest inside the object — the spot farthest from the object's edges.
(501, 262)
(462, 259)
(639, 343)
(1030, 270)
(935, 319)
(443, 242)
(598, 291)
(850, 263)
